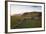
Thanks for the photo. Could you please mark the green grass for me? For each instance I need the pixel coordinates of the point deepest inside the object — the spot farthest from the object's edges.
(25, 23)
(29, 24)
(21, 22)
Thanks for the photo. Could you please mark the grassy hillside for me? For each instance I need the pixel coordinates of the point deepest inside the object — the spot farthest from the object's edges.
(27, 20)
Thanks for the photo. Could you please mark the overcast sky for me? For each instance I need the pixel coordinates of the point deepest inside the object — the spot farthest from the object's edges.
(20, 9)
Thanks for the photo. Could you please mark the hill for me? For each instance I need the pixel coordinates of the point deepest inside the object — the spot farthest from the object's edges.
(26, 20)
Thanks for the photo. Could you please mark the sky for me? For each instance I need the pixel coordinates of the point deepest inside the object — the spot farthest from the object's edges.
(20, 9)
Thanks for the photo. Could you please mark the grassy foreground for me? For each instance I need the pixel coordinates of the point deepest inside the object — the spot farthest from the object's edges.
(21, 22)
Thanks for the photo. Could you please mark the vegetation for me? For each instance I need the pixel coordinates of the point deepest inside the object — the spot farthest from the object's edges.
(27, 20)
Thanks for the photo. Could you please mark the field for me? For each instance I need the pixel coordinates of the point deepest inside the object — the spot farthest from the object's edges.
(27, 20)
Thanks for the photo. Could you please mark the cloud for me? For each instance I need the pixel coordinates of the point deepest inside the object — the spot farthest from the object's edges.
(20, 9)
